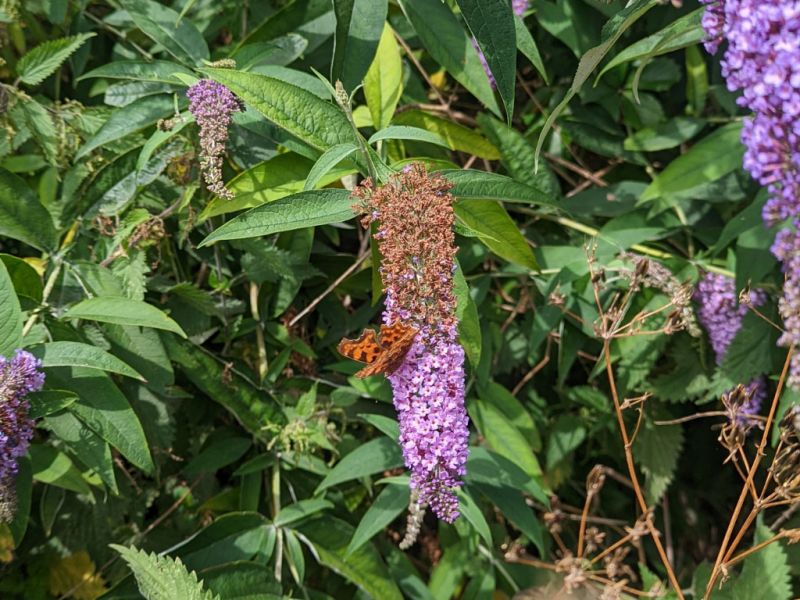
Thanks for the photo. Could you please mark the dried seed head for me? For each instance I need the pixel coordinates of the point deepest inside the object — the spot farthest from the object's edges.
(416, 513)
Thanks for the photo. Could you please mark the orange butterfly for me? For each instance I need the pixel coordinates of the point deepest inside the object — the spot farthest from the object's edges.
(384, 355)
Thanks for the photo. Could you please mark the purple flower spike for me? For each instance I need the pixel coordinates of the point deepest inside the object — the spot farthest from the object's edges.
(19, 376)
(212, 105)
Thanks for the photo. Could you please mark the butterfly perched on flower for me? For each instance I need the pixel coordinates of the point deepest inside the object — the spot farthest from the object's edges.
(383, 352)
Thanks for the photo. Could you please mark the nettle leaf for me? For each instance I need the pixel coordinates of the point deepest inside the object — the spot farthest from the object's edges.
(359, 24)
(10, 315)
(765, 574)
(657, 449)
(752, 351)
(41, 62)
(163, 577)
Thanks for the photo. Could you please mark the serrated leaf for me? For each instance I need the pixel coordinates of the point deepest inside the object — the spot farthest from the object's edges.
(41, 62)
(164, 26)
(305, 209)
(751, 350)
(657, 449)
(163, 577)
(765, 574)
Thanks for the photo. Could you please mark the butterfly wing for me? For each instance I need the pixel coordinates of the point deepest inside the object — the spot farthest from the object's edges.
(396, 340)
(365, 348)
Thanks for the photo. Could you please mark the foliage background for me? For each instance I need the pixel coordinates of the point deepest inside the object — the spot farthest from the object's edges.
(195, 405)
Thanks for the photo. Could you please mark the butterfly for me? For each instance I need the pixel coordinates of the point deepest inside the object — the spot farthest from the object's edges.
(382, 354)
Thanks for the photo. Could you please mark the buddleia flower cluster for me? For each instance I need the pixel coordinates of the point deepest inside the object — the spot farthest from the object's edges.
(414, 217)
(518, 7)
(760, 60)
(19, 376)
(721, 314)
(213, 105)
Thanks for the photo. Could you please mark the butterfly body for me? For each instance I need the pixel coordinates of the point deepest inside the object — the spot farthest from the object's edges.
(382, 353)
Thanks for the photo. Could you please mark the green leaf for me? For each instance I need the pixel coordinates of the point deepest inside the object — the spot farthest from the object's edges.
(107, 412)
(359, 24)
(10, 315)
(527, 45)
(24, 487)
(389, 504)
(664, 136)
(383, 83)
(329, 159)
(450, 46)
(363, 567)
(376, 456)
(495, 228)
(55, 468)
(305, 209)
(457, 136)
(22, 216)
(252, 408)
(493, 25)
(766, 573)
(682, 32)
(406, 132)
(469, 184)
(751, 351)
(469, 327)
(232, 537)
(164, 26)
(503, 437)
(27, 282)
(47, 402)
(300, 510)
(657, 449)
(163, 577)
(122, 311)
(301, 113)
(156, 71)
(43, 129)
(511, 504)
(217, 455)
(126, 120)
(242, 581)
(41, 62)
(472, 513)
(612, 30)
(88, 447)
(709, 159)
(76, 354)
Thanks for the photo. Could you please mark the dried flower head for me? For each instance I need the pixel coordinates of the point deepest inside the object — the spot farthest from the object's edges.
(416, 513)
(414, 217)
(213, 105)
